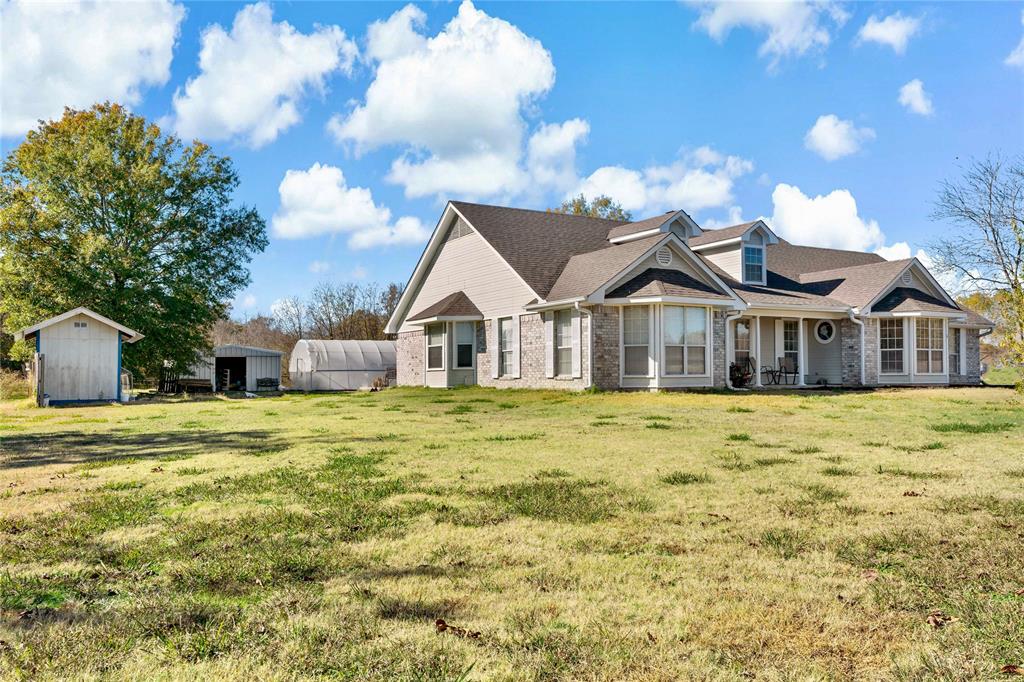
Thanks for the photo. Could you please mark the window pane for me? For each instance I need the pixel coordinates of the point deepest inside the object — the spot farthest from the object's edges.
(505, 332)
(753, 263)
(673, 323)
(505, 363)
(434, 357)
(435, 333)
(695, 360)
(673, 359)
(563, 328)
(464, 332)
(563, 362)
(635, 329)
(636, 361)
(464, 355)
(696, 324)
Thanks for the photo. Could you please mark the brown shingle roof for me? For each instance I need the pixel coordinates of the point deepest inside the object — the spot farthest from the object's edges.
(584, 273)
(854, 286)
(909, 300)
(537, 244)
(712, 236)
(640, 225)
(788, 261)
(663, 282)
(453, 305)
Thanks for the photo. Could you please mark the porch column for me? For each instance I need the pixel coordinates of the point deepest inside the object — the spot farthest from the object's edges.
(801, 368)
(755, 349)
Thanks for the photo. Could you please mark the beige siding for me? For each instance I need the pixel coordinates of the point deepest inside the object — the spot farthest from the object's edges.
(824, 360)
(80, 363)
(469, 264)
(727, 258)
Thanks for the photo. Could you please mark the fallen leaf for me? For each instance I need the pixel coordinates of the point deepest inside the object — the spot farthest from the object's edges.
(938, 619)
(157, 470)
(1012, 669)
(912, 493)
(870, 574)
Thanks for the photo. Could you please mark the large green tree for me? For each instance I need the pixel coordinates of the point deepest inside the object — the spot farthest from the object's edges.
(600, 207)
(101, 209)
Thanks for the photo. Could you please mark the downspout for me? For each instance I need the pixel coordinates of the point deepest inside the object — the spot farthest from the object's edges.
(729, 317)
(590, 344)
(859, 323)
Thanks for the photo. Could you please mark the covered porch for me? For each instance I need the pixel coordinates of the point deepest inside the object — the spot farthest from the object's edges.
(778, 349)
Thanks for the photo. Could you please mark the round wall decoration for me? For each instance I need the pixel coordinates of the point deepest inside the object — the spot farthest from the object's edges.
(825, 331)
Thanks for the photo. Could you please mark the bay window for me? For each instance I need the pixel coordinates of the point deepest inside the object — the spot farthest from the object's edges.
(636, 332)
(435, 346)
(890, 346)
(464, 342)
(929, 345)
(685, 340)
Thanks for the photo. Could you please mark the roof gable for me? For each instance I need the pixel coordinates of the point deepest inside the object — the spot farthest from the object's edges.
(131, 336)
(654, 282)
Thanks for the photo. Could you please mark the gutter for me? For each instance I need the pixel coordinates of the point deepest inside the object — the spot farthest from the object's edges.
(729, 317)
(590, 344)
(859, 323)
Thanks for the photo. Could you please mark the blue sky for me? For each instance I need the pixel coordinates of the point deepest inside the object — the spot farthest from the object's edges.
(351, 124)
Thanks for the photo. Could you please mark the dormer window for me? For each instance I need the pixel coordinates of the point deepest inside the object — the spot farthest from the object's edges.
(753, 264)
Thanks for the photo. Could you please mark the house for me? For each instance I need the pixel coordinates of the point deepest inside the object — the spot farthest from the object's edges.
(520, 298)
(236, 368)
(341, 365)
(79, 356)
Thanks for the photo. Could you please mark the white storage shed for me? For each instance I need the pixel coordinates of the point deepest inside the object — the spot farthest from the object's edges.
(78, 356)
(238, 368)
(341, 365)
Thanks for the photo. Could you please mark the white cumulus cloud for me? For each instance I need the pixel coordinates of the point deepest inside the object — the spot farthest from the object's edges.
(914, 98)
(75, 54)
(319, 267)
(253, 78)
(1016, 58)
(833, 138)
(895, 30)
(455, 105)
(793, 27)
(702, 179)
(830, 220)
(319, 201)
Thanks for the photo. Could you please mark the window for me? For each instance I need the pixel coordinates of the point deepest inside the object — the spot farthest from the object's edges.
(685, 340)
(890, 345)
(563, 343)
(81, 325)
(464, 333)
(791, 340)
(954, 350)
(929, 346)
(742, 345)
(505, 346)
(753, 264)
(636, 333)
(824, 331)
(435, 346)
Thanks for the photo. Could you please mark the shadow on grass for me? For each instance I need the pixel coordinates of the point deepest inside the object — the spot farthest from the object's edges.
(31, 450)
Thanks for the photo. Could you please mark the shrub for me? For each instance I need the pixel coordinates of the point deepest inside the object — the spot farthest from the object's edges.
(14, 385)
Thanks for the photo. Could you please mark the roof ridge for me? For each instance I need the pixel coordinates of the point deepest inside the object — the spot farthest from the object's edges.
(546, 211)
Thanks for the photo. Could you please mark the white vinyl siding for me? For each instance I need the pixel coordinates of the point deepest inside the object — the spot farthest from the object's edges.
(636, 339)
(470, 265)
(929, 346)
(685, 340)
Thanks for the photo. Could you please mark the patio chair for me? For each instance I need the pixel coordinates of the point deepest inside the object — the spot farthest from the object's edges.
(771, 374)
(787, 370)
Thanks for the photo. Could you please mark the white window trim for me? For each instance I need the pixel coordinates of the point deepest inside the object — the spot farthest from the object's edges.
(743, 263)
(945, 350)
(878, 346)
(426, 341)
(510, 369)
(456, 344)
(622, 343)
(707, 345)
(835, 331)
(559, 371)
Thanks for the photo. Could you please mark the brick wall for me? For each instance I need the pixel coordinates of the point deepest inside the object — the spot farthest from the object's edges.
(718, 336)
(531, 356)
(871, 352)
(849, 337)
(606, 347)
(411, 361)
(972, 347)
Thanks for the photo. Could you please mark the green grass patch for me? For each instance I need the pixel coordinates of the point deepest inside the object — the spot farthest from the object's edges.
(965, 427)
(684, 478)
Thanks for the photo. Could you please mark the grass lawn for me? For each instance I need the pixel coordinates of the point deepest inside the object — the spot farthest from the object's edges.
(594, 536)
(1002, 376)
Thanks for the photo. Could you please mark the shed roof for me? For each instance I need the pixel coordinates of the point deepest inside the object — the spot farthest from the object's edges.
(457, 305)
(130, 335)
(232, 350)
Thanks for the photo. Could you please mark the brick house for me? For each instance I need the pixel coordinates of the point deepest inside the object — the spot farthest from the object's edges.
(520, 298)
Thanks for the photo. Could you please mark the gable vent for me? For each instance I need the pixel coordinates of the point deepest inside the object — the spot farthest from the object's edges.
(663, 256)
(907, 278)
